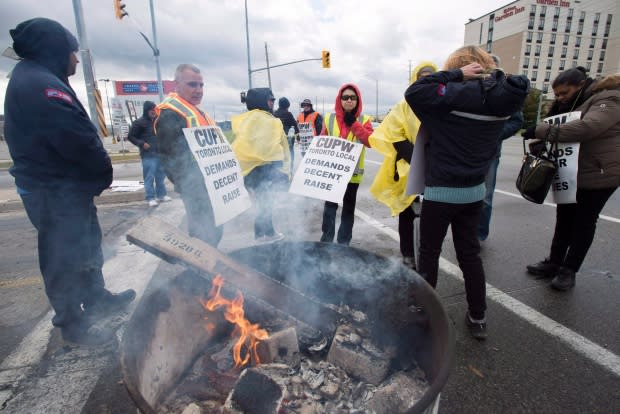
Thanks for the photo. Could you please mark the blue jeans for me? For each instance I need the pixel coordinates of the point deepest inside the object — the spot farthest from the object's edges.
(487, 206)
(154, 176)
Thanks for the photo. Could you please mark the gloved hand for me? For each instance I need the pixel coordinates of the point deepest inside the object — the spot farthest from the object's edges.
(404, 150)
(297, 138)
(529, 133)
(349, 118)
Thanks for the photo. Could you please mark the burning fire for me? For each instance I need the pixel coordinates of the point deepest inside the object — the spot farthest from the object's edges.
(249, 334)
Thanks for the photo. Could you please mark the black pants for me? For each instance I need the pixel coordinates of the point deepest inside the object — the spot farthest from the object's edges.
(345, 231)
(405, 231)
(200, 217)
(69, 244)
(575, 227)
(434, 221)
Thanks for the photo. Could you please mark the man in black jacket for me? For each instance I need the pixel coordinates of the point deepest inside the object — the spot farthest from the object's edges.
(59, 165)
(142, 136)
(288, 122)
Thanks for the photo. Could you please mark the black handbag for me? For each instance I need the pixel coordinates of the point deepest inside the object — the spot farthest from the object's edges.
(537, 172)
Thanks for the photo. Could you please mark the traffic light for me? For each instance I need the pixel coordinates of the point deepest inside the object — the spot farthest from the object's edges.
(326, 60)
(119, 9)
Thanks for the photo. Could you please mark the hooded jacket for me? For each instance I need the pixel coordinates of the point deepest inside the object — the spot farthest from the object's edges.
(359, 131)
(399, 124)
(142, 132)
(52, 141)
(464, 120)
(598, 132)
(258, 135)
(287, 118)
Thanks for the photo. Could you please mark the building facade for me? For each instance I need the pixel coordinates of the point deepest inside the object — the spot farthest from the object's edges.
(541, 38)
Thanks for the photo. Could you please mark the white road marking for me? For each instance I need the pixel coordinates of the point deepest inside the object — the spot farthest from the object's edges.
(71, 378)
(582, 345)
(507, 193)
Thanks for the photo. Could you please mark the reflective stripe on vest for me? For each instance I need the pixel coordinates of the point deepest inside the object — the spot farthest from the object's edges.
(193, 116)
(334, 130)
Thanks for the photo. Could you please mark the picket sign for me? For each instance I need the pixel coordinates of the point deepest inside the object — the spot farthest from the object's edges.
(326, 168)
(305, 135)
(220, 170)
(564, 184)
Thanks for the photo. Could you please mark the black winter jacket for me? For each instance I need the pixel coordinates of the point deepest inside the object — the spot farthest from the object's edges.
(287, 118)
(463, 121)
(52, 141)
(142, 131)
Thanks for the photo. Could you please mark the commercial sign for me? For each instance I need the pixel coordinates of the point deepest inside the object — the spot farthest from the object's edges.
(142, 87)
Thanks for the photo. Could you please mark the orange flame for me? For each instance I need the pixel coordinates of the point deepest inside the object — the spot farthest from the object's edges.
(249, 334)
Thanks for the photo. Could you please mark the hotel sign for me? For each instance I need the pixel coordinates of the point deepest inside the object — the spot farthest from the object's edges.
(554, 3)
(510, 11)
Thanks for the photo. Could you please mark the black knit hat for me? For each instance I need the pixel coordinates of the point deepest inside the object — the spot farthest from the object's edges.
(283, 103)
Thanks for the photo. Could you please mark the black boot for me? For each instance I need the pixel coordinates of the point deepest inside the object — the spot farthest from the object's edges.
(80, 331)
(564, 279)
(108, 303)
(544, 269)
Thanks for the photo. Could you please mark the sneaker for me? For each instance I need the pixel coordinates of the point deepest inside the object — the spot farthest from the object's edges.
(477, 327)
(270, 239)
(409, 261)
(153, 203)
(109, 303)
(545, 269)
(564, 279)
(164, 199)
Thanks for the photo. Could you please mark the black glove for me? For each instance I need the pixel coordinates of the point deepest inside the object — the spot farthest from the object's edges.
(529, 133)
(349, 118)
(404, 150)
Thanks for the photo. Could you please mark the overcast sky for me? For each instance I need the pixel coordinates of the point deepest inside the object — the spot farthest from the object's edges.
(371, 43)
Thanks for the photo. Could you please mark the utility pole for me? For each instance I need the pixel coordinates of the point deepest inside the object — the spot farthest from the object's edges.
(247, 39)
(89, 75)
(268, 71)
(377, 101)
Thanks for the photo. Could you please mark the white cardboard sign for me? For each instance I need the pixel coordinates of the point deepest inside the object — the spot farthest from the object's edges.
(220, 170)
(305, 135)
(326, 168)
(564, 184)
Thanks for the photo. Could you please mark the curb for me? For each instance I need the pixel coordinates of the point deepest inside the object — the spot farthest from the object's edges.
(115, 158)
(107, 197)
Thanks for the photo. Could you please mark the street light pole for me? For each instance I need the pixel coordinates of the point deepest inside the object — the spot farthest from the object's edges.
(377, 100)
(160, 86)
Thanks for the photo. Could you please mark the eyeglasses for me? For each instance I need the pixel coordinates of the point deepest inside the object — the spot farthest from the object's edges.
(194, 84)
(349, 98)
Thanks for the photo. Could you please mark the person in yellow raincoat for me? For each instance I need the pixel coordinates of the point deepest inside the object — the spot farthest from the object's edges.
(261, 147)
(394, 138)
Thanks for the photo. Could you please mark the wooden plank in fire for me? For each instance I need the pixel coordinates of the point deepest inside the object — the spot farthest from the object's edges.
(171, 244)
